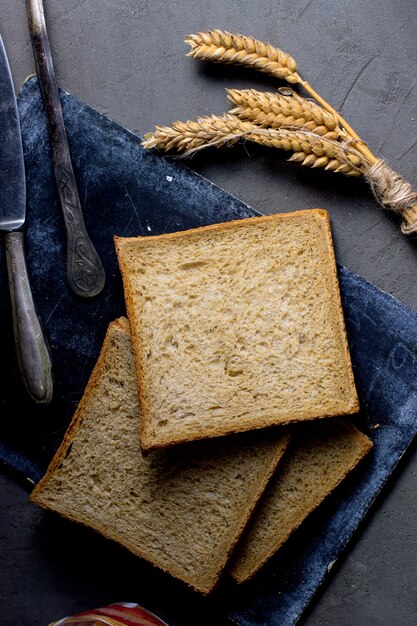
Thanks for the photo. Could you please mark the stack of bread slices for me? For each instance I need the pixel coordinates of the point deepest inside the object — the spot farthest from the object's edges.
(211, 425)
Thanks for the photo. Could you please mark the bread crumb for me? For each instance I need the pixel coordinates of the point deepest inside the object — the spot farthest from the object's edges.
(330, 565)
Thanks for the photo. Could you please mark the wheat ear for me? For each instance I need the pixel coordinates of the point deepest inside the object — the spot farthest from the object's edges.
(224, 47)
(310, 149)
(204, 131)
(275, 110)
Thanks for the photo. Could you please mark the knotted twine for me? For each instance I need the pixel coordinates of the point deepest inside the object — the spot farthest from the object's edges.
(393, 193)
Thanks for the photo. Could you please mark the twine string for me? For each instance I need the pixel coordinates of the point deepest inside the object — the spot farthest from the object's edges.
(390, 189)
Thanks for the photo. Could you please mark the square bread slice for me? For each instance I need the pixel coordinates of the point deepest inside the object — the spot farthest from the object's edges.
(182, 509)
(319, 457)
(236, 326)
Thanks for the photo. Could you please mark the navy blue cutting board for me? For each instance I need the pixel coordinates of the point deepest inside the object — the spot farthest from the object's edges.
(127, 191)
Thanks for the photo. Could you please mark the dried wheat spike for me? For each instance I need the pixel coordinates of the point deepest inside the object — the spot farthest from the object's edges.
(317, 151)
(191, 136)
(224, 47)
(275, 110)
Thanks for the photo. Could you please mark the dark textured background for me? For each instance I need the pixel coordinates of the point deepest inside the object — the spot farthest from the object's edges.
(126, 58)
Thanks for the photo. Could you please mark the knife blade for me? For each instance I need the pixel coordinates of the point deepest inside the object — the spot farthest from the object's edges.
(32, 352)
(85, 272)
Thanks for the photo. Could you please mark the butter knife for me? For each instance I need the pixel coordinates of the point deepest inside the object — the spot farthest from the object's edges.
(33, 355)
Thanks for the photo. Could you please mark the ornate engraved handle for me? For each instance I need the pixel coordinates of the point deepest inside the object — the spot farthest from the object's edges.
(85, 271)
(33, 355)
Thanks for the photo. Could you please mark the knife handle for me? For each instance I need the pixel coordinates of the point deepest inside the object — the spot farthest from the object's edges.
(33, 355)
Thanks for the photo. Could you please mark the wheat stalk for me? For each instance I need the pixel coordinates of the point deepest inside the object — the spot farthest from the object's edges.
(275, 110)
(309, 149)
(224, 47)
(315, 132)
(390, 189)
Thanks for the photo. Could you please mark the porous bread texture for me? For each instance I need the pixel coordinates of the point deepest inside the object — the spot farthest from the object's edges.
(182, 509)
(236, 326)
(318, 459)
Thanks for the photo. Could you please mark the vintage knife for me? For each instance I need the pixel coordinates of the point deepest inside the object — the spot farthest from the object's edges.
(32, 352)
(85, 271)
